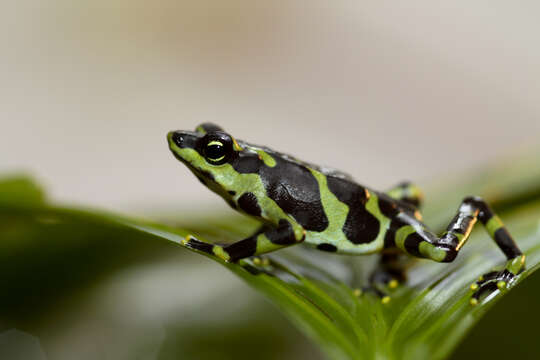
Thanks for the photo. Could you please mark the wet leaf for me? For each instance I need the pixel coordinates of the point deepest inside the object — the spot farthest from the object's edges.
(426, 318)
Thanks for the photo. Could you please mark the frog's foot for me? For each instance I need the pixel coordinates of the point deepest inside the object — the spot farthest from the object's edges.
(192, 242)
(381, 294)
(490, 282)
(257, 265)
(386, 278)
(381, 282)
(260, 261)
(497, 280)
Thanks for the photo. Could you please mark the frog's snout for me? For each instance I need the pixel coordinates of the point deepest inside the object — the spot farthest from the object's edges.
(182, 139)
(178, 138)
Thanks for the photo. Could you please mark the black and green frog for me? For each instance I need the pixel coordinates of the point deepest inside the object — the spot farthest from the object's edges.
(299, 202)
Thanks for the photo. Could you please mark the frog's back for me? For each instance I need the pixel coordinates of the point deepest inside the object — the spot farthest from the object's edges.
(293, 187)
(337, 213)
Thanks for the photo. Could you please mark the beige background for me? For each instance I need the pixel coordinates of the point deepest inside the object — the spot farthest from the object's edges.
(383, 90)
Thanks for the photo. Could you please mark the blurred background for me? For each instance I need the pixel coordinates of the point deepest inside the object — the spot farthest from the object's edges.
(386, 92)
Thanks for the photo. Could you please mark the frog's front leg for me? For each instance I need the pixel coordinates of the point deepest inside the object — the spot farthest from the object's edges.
(408, 193)
(285, 234)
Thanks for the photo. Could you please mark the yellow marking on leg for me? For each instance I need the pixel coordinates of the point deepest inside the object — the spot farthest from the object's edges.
(357, 292)
(393, 284)
(493, 225)
(264, 245)
(516, 264)
(186, 239)
(257, 261)
(402, 234)
(501, 285)
(385, 299)
(431, 251)
(474, 286)
(473, 301)
(221, 253)
(462, 238)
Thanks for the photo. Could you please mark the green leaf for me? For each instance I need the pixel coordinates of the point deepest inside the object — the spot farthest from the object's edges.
(426, 318)
(20, 190)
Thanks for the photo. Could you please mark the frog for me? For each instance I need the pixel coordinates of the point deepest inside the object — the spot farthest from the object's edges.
(299, 202)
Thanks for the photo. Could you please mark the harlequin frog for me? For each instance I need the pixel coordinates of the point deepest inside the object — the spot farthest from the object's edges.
(298, 202)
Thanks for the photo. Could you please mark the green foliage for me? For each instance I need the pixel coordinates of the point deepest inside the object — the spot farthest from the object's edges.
(426, 318)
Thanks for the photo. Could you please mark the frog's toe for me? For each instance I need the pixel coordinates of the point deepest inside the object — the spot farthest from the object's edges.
(373, 290)
(260, 261)
(192, 242)
(385, 279)
(382, 295)
(394, 283)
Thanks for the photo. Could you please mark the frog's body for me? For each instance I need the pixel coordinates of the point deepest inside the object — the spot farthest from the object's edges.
(301, 202)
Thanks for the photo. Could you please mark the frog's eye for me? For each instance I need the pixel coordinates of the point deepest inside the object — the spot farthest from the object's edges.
(217, 148)
(215, 151)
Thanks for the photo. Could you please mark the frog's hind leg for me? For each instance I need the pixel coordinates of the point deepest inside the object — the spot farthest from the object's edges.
(388, 274)
(408, 193)
(390, 271)
(413, 238)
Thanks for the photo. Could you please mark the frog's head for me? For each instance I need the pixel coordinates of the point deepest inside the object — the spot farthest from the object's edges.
(209, 153)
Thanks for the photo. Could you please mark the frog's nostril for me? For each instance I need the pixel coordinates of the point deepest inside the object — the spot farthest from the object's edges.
(176, 138)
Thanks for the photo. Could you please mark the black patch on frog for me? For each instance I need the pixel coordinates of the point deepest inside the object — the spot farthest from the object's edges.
(327, 247)
(390, 236)
(296, 191)
(283, 234)
(242, 249)
(391, 207)
(361, 227)
(506, 243)
(232, 192)
(388, 206)
(247, 163)
(412, 244)
(249, 204)
(292, 186)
